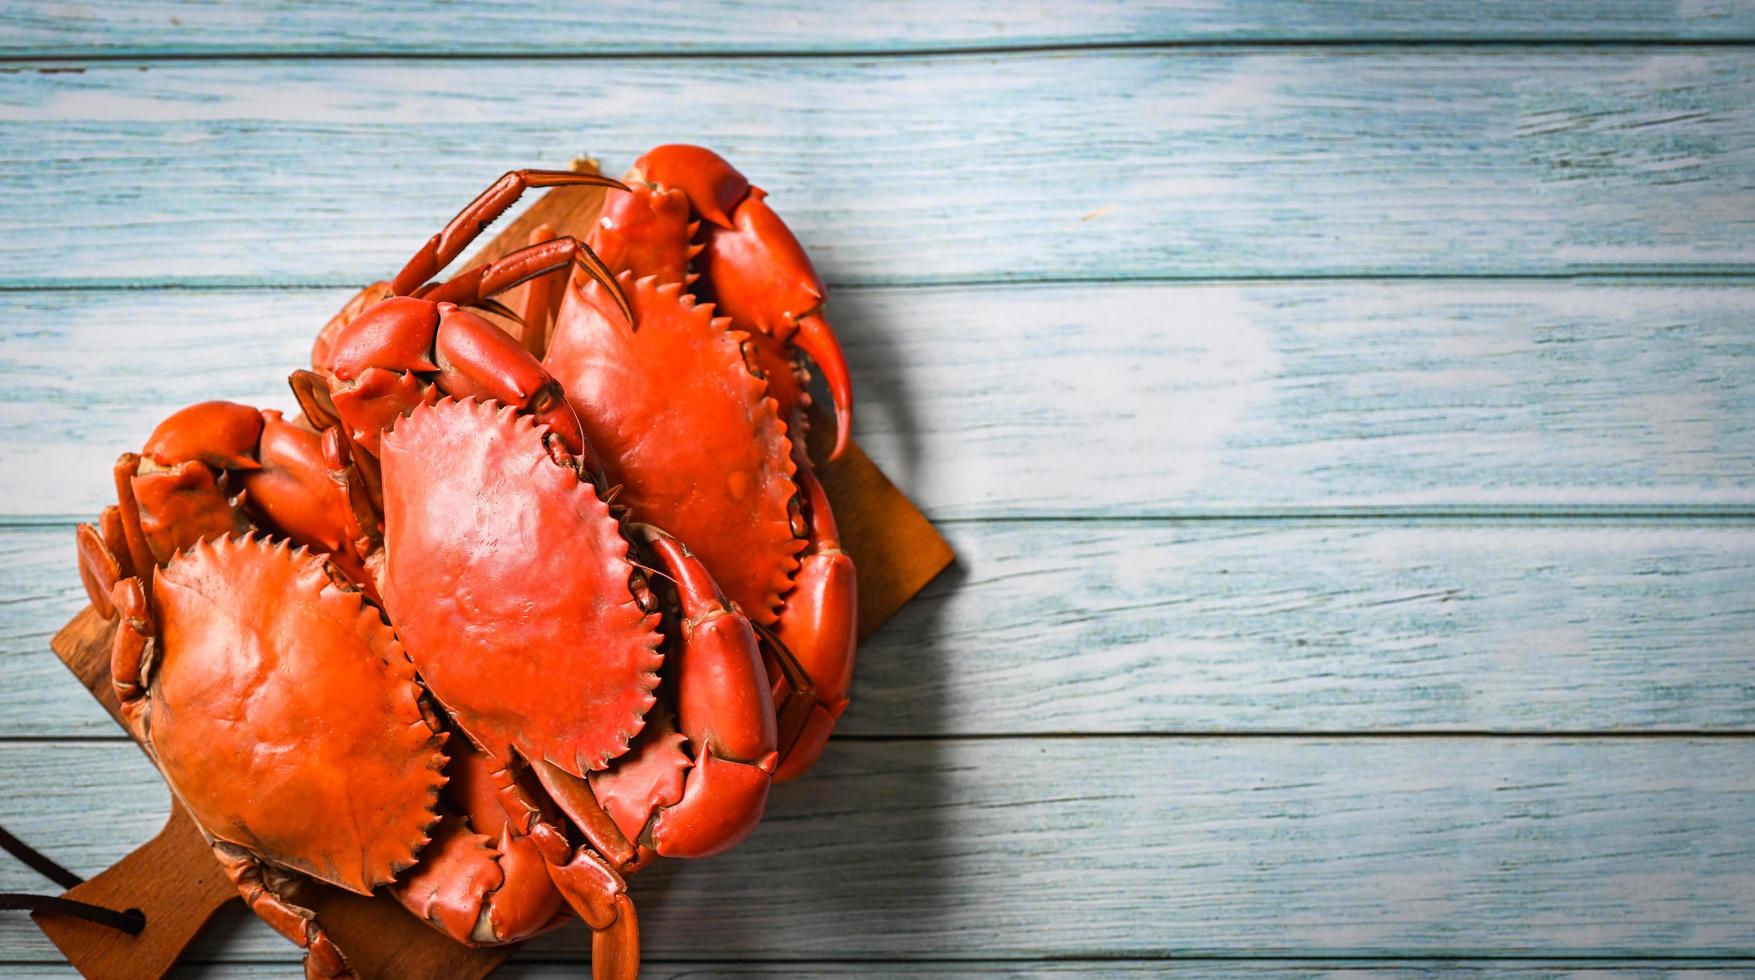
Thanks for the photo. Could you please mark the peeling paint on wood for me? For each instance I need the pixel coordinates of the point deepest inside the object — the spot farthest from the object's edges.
(1244, 513)
(1245, 162)
(1136, 847)
(42, 28)
(1115, 400)
(1221, 627)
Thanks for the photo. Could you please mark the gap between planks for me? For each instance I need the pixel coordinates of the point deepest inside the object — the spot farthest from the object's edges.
(69, 60)
(1186, 735)
(1729, 274)
(790, 27)
(1648, 274)
(1411, 516)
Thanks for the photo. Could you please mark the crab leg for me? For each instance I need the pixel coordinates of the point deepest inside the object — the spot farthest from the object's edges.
(260, 886)
(129, 647)
(816, 339)
(656, 800)
(99, 569)
(362, 301)
(481, 212)
(104, 557)
(479, 889)
(576, 799)
(541, 298)
(531, 262)
(819, 626)
(128, 650)
(376, 346)
(185, 487)
(588, 883)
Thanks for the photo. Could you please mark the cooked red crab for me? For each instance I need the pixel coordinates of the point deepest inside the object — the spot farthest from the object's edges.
(731, 476)
(700, 419)
(342, 753)
(513, 588)
(445, 472)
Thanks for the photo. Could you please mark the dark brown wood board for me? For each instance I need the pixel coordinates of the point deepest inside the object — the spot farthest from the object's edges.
(173, 877)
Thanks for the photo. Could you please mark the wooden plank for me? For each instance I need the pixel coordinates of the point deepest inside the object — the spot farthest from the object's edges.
(1092, 969)
(39, 28)
(1137, 848)
(1106, 969)
(1098, 164)
(1222, 627)
(40, 583)
(1115, 400)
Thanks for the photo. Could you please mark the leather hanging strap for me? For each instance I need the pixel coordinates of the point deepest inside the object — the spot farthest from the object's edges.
(130, 921)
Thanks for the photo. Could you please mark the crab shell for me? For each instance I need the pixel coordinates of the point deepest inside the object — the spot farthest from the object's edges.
(285, 715)
(686, 427)
(510, 583)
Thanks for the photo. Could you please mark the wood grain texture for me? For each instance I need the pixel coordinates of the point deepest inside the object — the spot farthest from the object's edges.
(1101, 164)
(39, 583)
(1222, 627)
(1618, 412)
(1137, 848)
(1082, 400)
(174, 907)
(1089, 969)
(38, 28)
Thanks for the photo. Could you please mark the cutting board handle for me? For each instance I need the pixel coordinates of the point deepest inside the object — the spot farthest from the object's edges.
(176, 905)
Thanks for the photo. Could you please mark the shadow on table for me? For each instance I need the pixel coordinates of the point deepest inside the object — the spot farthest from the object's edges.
(884, 414)
(853, 859)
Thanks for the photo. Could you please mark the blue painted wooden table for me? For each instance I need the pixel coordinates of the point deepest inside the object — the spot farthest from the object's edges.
(1345, 413)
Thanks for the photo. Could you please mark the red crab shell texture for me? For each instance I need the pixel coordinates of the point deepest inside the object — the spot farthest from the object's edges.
(285, 714)
(507, 578)
(690, 433)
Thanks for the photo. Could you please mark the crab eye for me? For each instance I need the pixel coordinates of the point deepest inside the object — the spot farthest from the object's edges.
(642, 591)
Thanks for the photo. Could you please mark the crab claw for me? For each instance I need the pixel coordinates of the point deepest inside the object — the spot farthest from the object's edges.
(220, 435)
(394, 335)
(99, 569)
(713, 186)
(755, 269)
(815, 338)
(724, 709)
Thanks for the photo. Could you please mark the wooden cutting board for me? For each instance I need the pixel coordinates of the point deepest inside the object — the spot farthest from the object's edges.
(174, 879)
